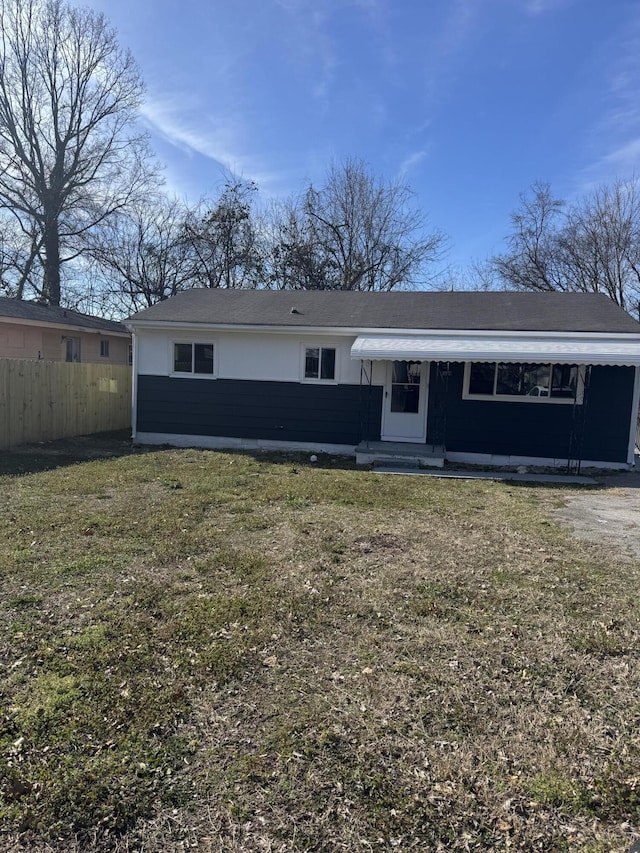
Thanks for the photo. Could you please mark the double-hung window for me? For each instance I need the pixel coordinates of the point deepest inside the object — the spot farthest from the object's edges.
(193, 358)
(320, 363)
(551, 383)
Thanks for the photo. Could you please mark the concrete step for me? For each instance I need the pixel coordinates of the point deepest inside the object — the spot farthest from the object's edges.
(388, 454)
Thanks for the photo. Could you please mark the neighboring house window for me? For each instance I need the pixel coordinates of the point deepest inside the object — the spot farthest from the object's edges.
(320, 363)
(104, 349)
(72, 352)
(551, 383)
(130, 356)
(193, 358)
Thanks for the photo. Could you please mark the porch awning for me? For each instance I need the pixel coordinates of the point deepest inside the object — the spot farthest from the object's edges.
(556, 349)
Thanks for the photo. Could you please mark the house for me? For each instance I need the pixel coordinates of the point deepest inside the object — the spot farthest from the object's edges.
(33, 330)
(548, 379)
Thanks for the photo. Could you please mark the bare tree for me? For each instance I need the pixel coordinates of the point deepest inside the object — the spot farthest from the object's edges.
(140, 255)
(294, 258)
(592, 245)
(600, 243)
(68, 155)
(20, 267)
(222, 239)
(531, 262)
(354, 233)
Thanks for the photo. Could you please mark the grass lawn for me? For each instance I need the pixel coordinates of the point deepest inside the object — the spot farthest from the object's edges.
(224, 652)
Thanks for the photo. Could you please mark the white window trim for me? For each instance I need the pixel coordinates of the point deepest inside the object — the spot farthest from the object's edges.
(303, 359)
(516, 398)
(179, 374)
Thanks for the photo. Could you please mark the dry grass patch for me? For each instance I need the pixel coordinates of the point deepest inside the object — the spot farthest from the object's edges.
(236, 653)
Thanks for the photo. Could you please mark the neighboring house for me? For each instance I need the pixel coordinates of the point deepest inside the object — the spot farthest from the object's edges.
(33, 330)
(491, 378)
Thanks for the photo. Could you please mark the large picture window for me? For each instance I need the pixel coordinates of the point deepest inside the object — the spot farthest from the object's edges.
(193, 358)
(320, 363)
(552, 383)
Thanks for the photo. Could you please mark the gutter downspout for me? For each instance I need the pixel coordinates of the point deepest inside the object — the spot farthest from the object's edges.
(134, 385)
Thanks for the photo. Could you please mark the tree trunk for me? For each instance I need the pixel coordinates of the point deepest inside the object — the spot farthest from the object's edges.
(51, 280)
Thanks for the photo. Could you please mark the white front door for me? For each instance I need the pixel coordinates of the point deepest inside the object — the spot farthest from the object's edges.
(404, 412)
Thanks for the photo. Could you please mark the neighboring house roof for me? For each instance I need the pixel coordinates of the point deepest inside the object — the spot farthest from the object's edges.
(22, 311)
(490, 311)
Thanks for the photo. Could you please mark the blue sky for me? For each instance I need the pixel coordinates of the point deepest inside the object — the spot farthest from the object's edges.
(467, 101)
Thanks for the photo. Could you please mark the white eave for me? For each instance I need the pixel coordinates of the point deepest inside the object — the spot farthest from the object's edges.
(612, 349)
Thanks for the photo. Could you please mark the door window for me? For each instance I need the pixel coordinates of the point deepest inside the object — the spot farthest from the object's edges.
(405, 387)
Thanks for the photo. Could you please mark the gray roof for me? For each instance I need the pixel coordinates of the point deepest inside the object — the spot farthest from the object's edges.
(38, 312)
(491, 311)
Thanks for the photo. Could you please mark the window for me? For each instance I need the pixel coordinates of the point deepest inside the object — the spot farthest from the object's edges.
(405, 386)
(104, 349)
(555, 383)
(193, 358)
(72, 349)
(320, 363)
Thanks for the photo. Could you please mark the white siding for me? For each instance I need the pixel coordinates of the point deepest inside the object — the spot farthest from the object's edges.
(251, 355)
(153, 353)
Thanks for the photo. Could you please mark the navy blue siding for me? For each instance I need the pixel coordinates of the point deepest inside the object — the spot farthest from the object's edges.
(608, 414)
(282, 411)
(597, 431)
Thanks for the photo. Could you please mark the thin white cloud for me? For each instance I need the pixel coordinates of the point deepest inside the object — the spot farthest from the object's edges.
(626, 158)
(449, 42)
(305, 29)
(615, 139)
(372, 6)
(183, 123)
(412, 161)
(310, 29)
(327, 61)
(458, 27)
(542, 7)
(292, 6)
(466, 21)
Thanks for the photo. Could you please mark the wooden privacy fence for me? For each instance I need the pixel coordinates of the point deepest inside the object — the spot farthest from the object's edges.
(45, 400)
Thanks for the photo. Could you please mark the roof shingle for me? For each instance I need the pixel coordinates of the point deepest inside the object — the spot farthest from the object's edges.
(491, 311)
(38, 312)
